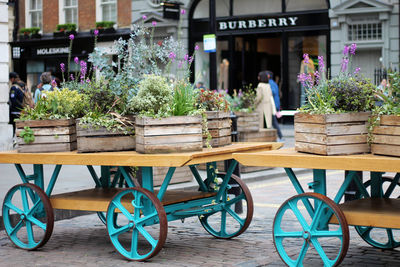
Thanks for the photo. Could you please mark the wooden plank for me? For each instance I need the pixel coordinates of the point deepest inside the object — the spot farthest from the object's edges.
(331, 118)
(331, 129)
(289, 158)
(387, 130)
(102, 131)
(241, 114)
(319, 149)
(389, 150)
(375, 212)
(390, 120)
(215, 124)
(98, 199)
(309, 128)
(330, 140)
(38, 148)
(175, 140)
(386, 139)
(322, 149)
(108, 143)
(178, 129)
(168, 148)
(218, 141)
(217, 115)
(50, 131)
(264, 135)
(309, 118)
(220, 132)
(168, 121)
(44, 123)
(46, 139)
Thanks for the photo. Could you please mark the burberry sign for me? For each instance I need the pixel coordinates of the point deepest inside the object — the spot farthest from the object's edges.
(257, 23)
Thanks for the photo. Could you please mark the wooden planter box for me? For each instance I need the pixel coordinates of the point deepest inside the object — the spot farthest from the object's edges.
(92, 139)
(247, 122)
(386, 136)
(219, 126)
(50, 135)
(331, 134)
(181, 175)
(167, 135)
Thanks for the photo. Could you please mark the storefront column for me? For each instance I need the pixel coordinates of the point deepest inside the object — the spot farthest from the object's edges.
(5, 128)
(213, 55)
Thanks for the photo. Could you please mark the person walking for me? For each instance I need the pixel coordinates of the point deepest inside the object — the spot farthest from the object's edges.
(275, 94)
(44, 86)
(16, 99)
(266, 105)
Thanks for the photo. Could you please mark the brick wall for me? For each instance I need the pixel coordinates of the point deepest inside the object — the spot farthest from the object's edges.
(124, 11)
(50, 15)
(86, 14)
(21, 7)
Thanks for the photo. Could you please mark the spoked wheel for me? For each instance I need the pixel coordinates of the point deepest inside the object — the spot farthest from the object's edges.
(384, 238)
(228, 222)
(140, 230)
(301, 221)
(28, 216)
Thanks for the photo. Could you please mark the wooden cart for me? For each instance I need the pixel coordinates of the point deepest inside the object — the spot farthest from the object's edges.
(314, 219)
(136, 215)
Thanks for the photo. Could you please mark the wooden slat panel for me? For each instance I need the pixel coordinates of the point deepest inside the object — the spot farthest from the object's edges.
(50, 131)
(387, 139)
(390, 120)
(168, 147)
(98, 199)
(308, 118)
(38, 148)
(182, 174)
(168, 121)
(220, 132)
(108, 143)
(390, 150)
(346, 128)
(348, 117)
(388, 130)
(176, 139)
(330, 140)
(311, 148)
(215, 124)
(310, 128)
(102, 131)
(178, 129)
(45, 123)
(376, 212)
(48, 139)
(217, 115)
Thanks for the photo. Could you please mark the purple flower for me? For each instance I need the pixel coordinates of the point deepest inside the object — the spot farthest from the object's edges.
(346, 50)
(54, 83)
(196, 47)
(144, 17)
(240, 94)
(96, 32)
(83, 68)
(71, 37)
(172, 56)
(345, 63)
(321, 63)
(353, 48)
(183, 11)
(357, 71)
(317, 76)
(72, 77)
(180, 64)
(62, 67)
(305, 79)
(76, 60)
(190, 60)
(186, 58)
(154, 23)
(306, 58)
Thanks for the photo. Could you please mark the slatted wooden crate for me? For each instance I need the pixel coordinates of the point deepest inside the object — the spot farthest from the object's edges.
(247, 122)
(181, 175)
(168, 135)
(93, 139)
(219, 126)
(386, 136)
(50, 135)
(331, 134)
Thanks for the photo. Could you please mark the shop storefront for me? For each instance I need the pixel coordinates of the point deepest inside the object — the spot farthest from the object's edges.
(261, 35)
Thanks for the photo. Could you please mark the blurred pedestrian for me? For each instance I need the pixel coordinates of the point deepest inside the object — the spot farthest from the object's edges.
(265, 100)
(16, 99)
(275, 94)
(43, 86)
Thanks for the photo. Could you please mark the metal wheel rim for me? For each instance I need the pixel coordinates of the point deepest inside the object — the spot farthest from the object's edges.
(162, 217)
(12, 231)
(249, 216)
(336, 211)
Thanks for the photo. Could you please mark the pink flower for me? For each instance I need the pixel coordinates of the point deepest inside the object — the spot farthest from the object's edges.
(183, 11)
(186, 58)
(96, 32)
(71, 37)
(346, 50)
(196, 47)
(144, 17)
(172, 56)
(76, 60)
(353, 48)
(154, 23)
(306, 58)
(62, 66)
(54, 83)
(357, 70)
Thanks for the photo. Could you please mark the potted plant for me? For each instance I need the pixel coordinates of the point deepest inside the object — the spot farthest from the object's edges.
(334, 119)
(35, 33)
(385, 122)
(50, 125)
(217, 130)
(26, 33)
(105, 27)
(64, 30)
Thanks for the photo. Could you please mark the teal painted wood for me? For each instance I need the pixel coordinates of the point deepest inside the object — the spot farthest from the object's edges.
(211, 168)
(94, 175)
(105, 177)
(223, 187)
(165, 183)
(376, 184)
(348, 179)
(198, 178)
(319, 185)
(147, 178)
(53, 179)
(392, 186)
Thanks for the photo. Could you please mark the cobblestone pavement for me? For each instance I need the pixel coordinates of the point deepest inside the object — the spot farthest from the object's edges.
(83, 241)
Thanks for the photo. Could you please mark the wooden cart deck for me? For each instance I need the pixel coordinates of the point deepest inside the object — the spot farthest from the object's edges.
(375, 212)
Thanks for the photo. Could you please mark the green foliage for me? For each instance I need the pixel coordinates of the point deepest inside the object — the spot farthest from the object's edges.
(245, 100)
(58, 104)
(153, 97)
(33, 30)
(104, 24)
(391, 98)
(111, 121)
(27, 135)
(184, 101)
(211, 100)
(66, 27)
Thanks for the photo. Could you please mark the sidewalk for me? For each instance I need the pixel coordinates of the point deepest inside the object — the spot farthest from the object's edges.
(74, 178)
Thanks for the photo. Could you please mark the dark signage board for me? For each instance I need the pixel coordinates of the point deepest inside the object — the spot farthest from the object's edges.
(171, 10)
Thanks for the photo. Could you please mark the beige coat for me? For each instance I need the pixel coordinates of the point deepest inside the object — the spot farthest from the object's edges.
(266, 107)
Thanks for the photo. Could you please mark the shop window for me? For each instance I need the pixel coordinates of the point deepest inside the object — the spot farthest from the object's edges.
(202, 9)
(71, 11)
(298, 5)
(108, 10)
(252, 7)
(365, 31)
(35, 13)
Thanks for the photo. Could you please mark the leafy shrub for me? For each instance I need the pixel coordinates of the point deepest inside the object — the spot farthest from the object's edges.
(104, 24)
(211, 100)
(66, 27)
(244, 100)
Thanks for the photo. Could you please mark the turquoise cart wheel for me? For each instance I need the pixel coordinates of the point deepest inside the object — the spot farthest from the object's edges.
(302, 221)
(384, 238)
(228, 222)
(137, 223)
(28, 216)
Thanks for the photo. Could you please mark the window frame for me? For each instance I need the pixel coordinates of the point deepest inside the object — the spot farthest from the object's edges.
(29, 12)
(99, 9)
